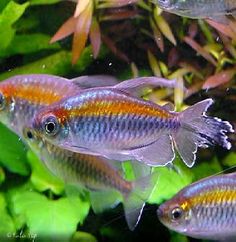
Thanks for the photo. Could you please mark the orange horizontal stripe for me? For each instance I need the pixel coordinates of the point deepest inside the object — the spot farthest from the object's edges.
(214, 197)
(32, 93)
(100, 108)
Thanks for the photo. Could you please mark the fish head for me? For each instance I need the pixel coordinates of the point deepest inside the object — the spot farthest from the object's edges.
(176, 214)
(51, 125)
(37, 143)
(32, 138)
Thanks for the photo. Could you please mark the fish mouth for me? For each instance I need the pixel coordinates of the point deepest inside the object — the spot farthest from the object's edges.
(159, 213)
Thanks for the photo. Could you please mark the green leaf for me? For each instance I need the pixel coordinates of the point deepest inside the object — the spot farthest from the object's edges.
(230, 159)
(25, 44)
(175, 237)
(56, 64)
(10, 14)
(50, 219)
(7, 34)
(207, 168)
(40, 2)
(13, 152)
(42, 178)
(19, 219)
(7, 226)
(170, 181)
(83, 237)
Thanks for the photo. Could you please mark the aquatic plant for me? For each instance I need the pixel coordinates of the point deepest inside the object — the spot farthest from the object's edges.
(127, 38)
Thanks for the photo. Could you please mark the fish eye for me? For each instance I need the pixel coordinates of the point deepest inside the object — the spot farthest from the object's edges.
(176, 213)
(2, 101)
(51, 126)
(29, 135)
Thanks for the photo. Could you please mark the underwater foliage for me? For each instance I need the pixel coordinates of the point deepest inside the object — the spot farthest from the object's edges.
(125, 39)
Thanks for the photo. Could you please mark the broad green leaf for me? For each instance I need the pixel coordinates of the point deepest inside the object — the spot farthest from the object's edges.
(11, 193)
(7, 226)
(207, 168)
(25, 44)
(83, 237)
(170, 181)
(175, 237)
(12, 12)
(40, 2)
(56, 64)
(230, 159)
(13, 152)
(41, 177)
(7, 34)
(50, 219)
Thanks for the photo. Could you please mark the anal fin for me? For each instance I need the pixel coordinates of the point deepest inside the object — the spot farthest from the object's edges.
(103, 200)
(159, 153)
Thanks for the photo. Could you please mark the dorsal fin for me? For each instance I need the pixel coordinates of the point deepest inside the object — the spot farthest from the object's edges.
(94, 81)
(135, 86)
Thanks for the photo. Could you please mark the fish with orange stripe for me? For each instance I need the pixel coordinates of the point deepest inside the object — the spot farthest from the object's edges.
(205, 209)
(113, 122)
(20, 95)
(20, 99)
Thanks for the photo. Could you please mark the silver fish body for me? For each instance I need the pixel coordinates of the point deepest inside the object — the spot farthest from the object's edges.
(205, 209)
(199, 8)
(91, 172)
(112, 123)
(23, 95)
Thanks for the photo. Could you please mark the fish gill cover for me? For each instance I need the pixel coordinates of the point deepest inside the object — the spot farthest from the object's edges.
(124, 39)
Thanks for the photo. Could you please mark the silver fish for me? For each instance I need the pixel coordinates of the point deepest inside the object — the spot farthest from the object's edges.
(20, 99)
(117, 125)
(215, 9)
(205, 209)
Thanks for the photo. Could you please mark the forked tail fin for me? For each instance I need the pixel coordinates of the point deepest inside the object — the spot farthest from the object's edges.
(135, 200)
(198, 130)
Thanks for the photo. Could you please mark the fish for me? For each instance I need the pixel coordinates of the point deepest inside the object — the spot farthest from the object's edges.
(197, 9)
(42, 90)
(114, 123)
(21, 97)
(24, 93)
(95, 174)
(205, 209)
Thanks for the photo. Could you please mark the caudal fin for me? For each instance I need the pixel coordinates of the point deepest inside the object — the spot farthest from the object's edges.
(135, 200)
(199, 130)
